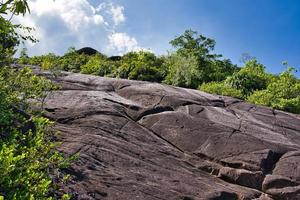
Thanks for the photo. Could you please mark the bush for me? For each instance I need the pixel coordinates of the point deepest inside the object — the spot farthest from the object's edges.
(96, 65)
(250, 78)
(72, 61)
(24, 58)
(141, 65)
(27, 155)
(221, 89)
(182, 71)
(49, 62)
(219, 70)
(282, 93)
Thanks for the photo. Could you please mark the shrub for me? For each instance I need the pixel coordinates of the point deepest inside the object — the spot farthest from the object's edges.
(72, 61)
(49, 62)
(221, 89)
(141, 65)
(24, 58)
(219, 70)
(250, 78)
(27, 155)
(182, 71)
(282, 93)
(95, 65)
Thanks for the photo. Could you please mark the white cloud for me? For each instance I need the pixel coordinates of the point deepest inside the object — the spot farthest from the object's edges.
(74, 13)
(117, 14)
(62, 23)
(114, 12)
(122, 43)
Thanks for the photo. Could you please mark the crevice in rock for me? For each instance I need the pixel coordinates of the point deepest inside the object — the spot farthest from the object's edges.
(50, 109)
(159, 102)
(227, 104)
(217, 103)
(233, 112)
(66, 120)
(213, 103)
(153, 111)
(162, 138)
(132, 107)
(270, 162)
(234, 131)
(279, 124)
(123, 86)
(85, 86)
(256, 179)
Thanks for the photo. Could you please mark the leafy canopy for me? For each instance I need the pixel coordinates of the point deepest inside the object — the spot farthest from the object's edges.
(27, 156)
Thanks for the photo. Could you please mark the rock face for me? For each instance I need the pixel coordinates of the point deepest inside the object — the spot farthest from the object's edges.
(87, 51)
(141, 140)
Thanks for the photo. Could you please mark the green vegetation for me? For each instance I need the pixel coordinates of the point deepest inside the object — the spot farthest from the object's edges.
(251, 77)
(221, 88)
(191, 64)
(26, 154)
(30, 168)
(141, 65)
(29, 165)
(97, 65)
(281, 93)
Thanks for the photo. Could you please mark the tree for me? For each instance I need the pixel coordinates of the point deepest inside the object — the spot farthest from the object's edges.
(141, 65)
(190, 45)
(24, 58)
(72, 61)
(27, 154)
(250, 78)
(220, 70)
(96, 66)
(182, 70)
(282, 93)
(221, 88)
(9, 37)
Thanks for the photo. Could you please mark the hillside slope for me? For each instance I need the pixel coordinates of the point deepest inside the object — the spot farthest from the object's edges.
(141, 140)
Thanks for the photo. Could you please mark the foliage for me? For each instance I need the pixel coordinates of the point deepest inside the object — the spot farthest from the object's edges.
(24, 58)
(206, 66)
(72, 61)
(49, 61)
(141, 65)
(9, 36)
(250, 78)
(192, 64)
(15, 7)
(221, 88)
(8, 41)
(282, 93)
(220, 70)
(182, 71)
(97, 65)
(26, 154)
(190, 43)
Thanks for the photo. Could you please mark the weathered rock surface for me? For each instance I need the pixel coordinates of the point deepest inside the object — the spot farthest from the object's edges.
(87, 51)
(141, 140)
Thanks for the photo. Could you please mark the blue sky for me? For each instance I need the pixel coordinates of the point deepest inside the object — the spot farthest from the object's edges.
(266, 29)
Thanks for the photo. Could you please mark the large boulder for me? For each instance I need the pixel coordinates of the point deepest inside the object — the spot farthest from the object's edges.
(87, 51)
(141, 140)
